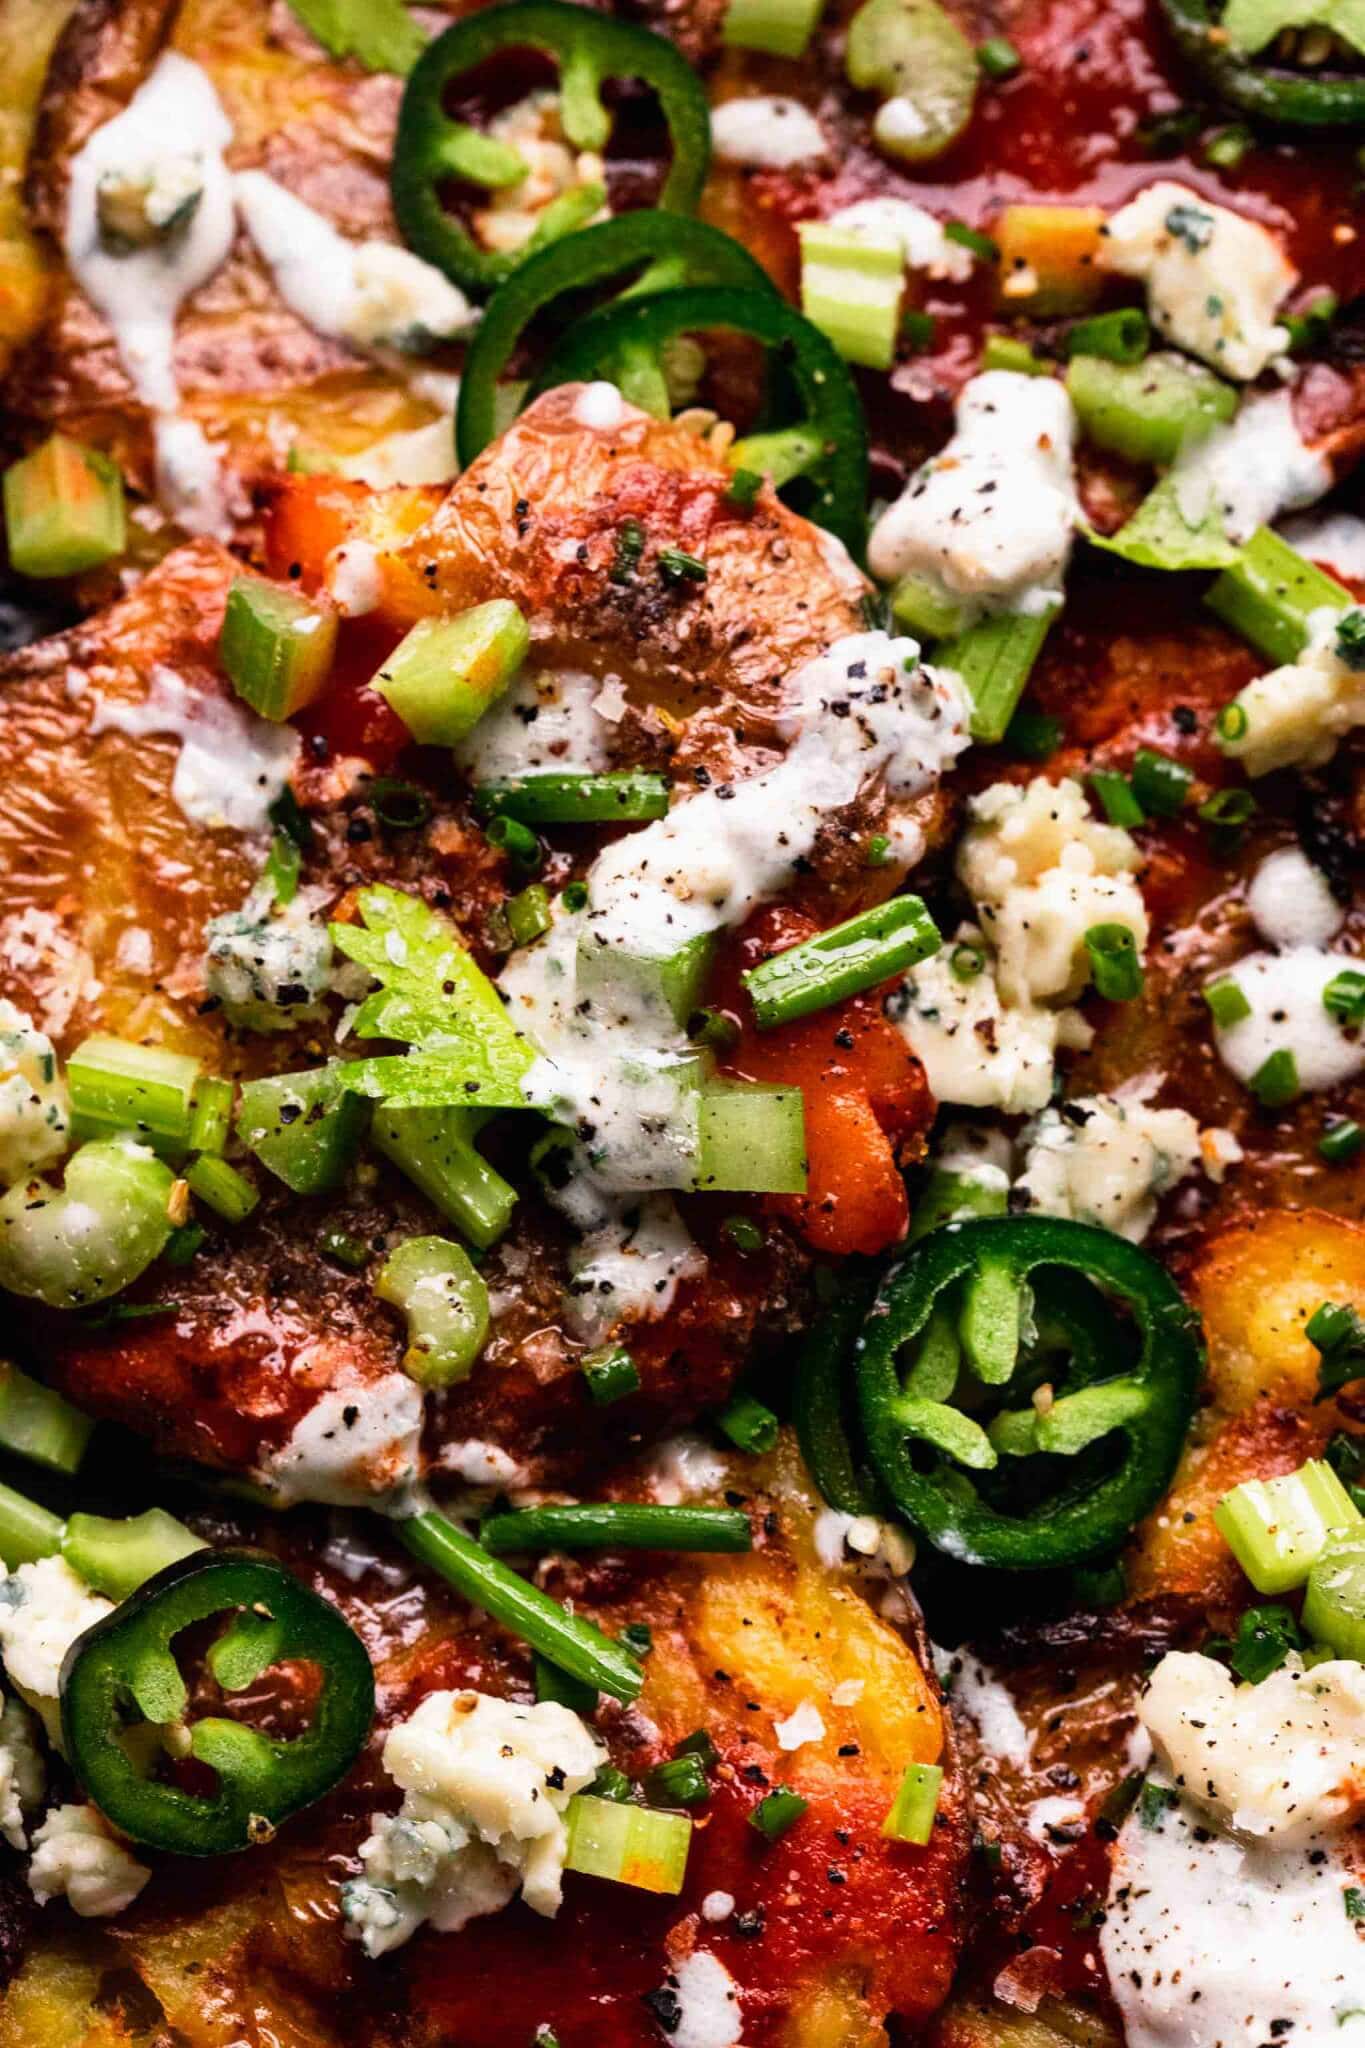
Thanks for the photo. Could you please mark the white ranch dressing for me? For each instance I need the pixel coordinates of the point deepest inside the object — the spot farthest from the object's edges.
(1336, 538)
(1251, 470)
(768, 131)
(1287, 1014)
(173, 120)
(1290, 901)
(232, 765)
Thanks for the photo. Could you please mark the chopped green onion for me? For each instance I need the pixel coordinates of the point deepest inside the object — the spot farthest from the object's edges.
(1265, 1637)
(575, 1645)
(517, 841)
(700, 1744)
(435, 1149)
(1344, 997)
(276, 646)
(1160, 784)
(1337, 1334)
(1228, 810)
(995, 659)
(751, 1138)
(851, 286)
(981, 246)
(750, 1425)
(1350, 638)
(1148, 410)
(1353, 1899)
(744, 1234)
(282, 868)
(636, 1845)
(528, 915)
(1311, 327)
(1117, 801)
(716, 1030)
(553, 1684)
(853, 956)
(210, 1115)
(1277, 1528)
(1231, 722)
(676, 565)
(1268, 595)
(631, 797)
(877, 853)
(967, 962)
(399, 805)
(744, 486)
(611, 1374)
(911, 1818)
(116, 1085)
(1119, 337)
(1007, 352)
(998, 57)
(681, 1781)
(228, 1193)
(303, 1127)
(442, 677)
(1276, 1081)
(64, 510)
(609, 1782)
(1334, 1603)
(1226, 147)
(1115, 967)
(576, 896)
(630, 545)
(918, 328)
(1034, 735)
(616, 1525)
(778, 1812)
(1340, 1141)
(1226, 1001)
(638, 1638)
(1154, 1803)
(345, 1248)
(445, 1301)
(38, 1423)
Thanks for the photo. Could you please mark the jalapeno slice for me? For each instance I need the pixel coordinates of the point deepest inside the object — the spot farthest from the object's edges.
(432, 149)
(122, 1674)
(1274, 93)
(1015, 1417)
(826, 449)
(822, 1395)
(646, 252)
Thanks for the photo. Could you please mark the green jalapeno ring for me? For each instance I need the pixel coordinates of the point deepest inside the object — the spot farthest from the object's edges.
(825, 1430)
(666, 248)
(1273, 93)
(123, 1668)
(1149, 1407)
(827, 449)
(431, 148)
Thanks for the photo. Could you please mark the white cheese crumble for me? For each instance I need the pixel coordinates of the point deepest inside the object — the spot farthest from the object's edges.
(1250, 470)
(1296, 714)
(768, 131)
(801, 1726)
(231, 767)
(1287, 1014)
(1042, 870)
(989, 521)
(1106, 1160)
(717, 1906)
(357, 1446)
(987, 1702)
(923, 243)
(44, 1606)
(23, 1774)
(268, 963)
(976, 1050)
(683, 1467)
(35, 1111)
(76, 1857)
(1214, 279)
(374, 294)
(168, 143)
(482, 1464)
(485, 1784)
(707, 2003)
(875, 1549)
(1291, 901)
(1054, 1819)
(599, 406)
(547, 719)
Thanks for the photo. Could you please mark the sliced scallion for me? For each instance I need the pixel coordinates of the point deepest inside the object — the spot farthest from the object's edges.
(1115, 966)
(528, 915)
(1341, 1140)
(842, 962)
(778, 1812)
(911, 1818)
(1160, 784)
(611, 1374)
(1116, 798)
(117, 1085)
(1276, 1081)
(616, 1525)
(750, 1425)
(1227, 1003)
(1344, 997)
(228, 1193)
(631, 797)
(679, 1781)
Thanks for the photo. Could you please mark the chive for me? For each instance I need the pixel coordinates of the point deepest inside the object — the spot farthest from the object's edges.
(611, 1783)
(677, 566)
(778, 1812)
(698, 1743)
(1340, 1141)
(576, 896)
(717, 1030)
(1154, 1803)
(616, 1525)
(629, 798)
(1119, 337)
(681, 1781)
(1226, 1001)
(1265, 1637)
(1276, 1081)
(980, 245)
(281, 870)
(1115, 794)
(1337, 1334)
(638, 1638)
(842, 962)
(911, 1818)
(998, 57)
(553, 1684)
(630, 545)
(210, 1114)
(743, 488)
(1034, 735)
(749, 1424)
(287, 816)
(1226, 147)
(1119, 1802)
(1160, 784)
(400, 805)
(918, 328)
(1353, 1899)
(967, 962)
(528, 915)
(545, 2037)
(575, 1645)
(228, 1193)
(1344, 997)
(877, 853)
(1114, 964)
(611, 1374)
(1351, 639)
(1311, 327)
(184, 1244)
(346, 1249)
(1228, 810)
(743, 1233)
(1007, 352)
(517, 841)
(1099, 1585)
(1167, 134)
(1231, 722)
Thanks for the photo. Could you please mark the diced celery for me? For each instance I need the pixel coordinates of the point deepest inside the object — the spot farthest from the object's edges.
(37, 1423)
(671, 982)
(633, 1845)
(1334, 1604)
(926, 611)
(751, 1138)
(83, 1243)
(995, 659)
(435, 1149)
(781, 27)
(445, 1302)
(911, 1819)
(210, 1115)
(948, 1195)
(304, 1127)
(444, 675)
(1269, 593)
(1278, 1528)
(117, 1556)
(116, 1085)
(276, 646)
(1147, 411)
(851, 290)
(27, 1531)
(916, 56)
(64, 510)
(228, 1193)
